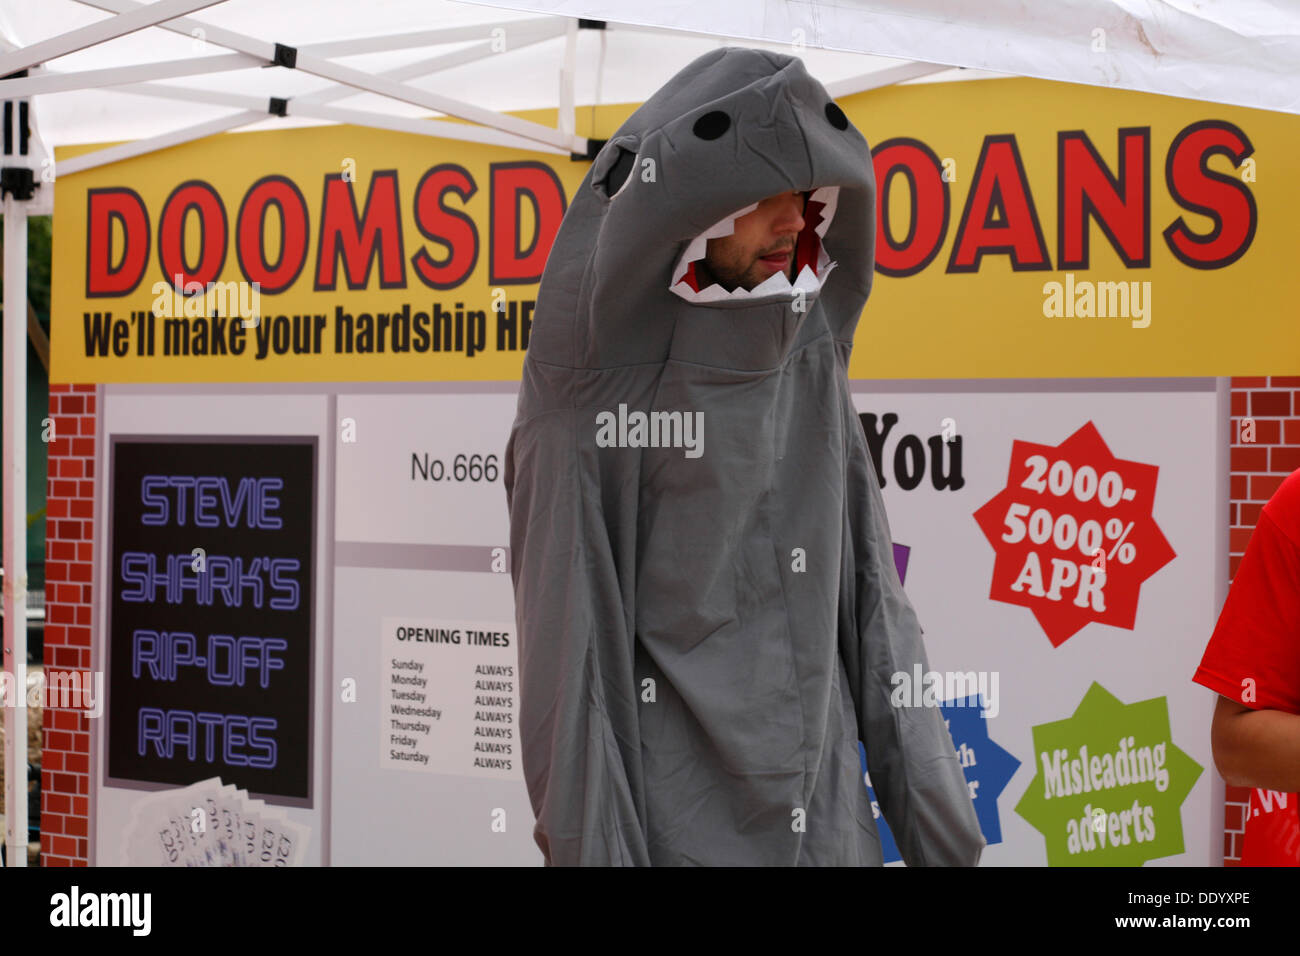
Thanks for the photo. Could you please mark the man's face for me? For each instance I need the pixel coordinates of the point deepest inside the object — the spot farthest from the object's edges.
(761, 245)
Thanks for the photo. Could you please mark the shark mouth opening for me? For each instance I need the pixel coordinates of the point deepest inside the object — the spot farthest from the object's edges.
(812, 263)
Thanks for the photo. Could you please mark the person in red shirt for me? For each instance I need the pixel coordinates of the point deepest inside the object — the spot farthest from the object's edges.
(1253, 658)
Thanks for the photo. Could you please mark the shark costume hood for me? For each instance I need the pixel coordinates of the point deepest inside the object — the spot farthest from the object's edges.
(708, 608)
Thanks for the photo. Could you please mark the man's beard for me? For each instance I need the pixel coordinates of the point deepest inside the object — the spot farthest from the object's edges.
(730, 278)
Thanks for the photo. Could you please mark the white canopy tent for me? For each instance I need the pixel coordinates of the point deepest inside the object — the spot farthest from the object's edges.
(146, 76)
(208, 67)
(1242, 52)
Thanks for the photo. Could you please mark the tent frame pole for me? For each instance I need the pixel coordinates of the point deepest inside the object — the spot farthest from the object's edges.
(358, 79)
(129, 20)
(886, 77)
(49, 81)
(313, 105)
(566, 116)
(15, 528)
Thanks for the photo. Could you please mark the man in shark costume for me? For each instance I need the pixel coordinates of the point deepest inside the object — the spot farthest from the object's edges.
(709, 613)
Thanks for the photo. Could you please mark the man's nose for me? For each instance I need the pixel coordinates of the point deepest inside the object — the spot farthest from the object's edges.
(789, 217)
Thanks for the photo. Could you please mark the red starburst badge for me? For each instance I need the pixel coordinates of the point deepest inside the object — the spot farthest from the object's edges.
(1074, 534)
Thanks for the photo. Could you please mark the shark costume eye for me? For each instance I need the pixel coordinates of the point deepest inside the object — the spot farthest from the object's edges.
(611, 171)
(617, 177)
(712, 125)
(835, 116)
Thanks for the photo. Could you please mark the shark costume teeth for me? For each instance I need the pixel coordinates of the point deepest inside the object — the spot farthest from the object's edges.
(813, 268)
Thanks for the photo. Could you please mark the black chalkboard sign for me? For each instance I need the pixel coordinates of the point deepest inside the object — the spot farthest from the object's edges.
(210, 620)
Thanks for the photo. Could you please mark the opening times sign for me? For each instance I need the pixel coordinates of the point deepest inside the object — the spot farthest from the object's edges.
(210, 619)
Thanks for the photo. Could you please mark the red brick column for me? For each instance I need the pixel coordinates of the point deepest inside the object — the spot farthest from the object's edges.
(69, 540)
(1272, 405)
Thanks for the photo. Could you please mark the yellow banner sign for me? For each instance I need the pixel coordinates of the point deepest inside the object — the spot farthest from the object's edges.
(1025, 229)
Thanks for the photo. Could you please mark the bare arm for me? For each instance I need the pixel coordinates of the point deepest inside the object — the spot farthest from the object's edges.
(1256, 748)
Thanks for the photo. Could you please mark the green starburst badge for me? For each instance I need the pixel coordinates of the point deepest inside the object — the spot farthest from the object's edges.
(1110, 783)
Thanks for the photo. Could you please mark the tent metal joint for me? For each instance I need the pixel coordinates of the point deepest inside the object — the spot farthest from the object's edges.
(584, 24)
(279, 106)
(593, 148)
(285, 56)
(17, 181)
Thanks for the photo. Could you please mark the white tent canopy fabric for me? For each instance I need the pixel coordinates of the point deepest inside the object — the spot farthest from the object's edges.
(184, 69)
(1240, 52)
(528, 52)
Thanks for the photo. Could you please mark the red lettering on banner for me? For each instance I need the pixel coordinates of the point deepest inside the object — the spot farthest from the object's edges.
(512, 183)
(928, 220)
(107, 273)
(1120, 204)
(173, 253)
(1000, 188)
(527, 203)
(282, 194)
(1223, 198)
(447, 227)
(360, 239)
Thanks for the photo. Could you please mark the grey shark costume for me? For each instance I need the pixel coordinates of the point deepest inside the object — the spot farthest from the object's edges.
(709, 613)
